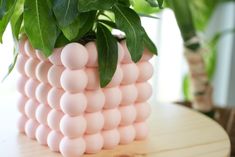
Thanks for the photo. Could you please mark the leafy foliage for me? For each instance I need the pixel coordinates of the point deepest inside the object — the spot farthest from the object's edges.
(49, 24)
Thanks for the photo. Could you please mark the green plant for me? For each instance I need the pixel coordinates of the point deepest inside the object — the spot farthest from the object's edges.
(53, 23)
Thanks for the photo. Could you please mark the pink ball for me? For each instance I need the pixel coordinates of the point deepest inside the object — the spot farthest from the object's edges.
(143, 111)
(53, 140)
(30, 88)
(42, 71)
(129, 94)
(41, 134)
(73, 104)
(42, 113)
(113, 97)
(95, 100)
(74, 81)
(30, 128)
(74, 56)
(128, 115)
(147, 55)
(20, 85)
(30, 67)
(42, 92)
(41, 56)
(55, 58)
(21, 103)
(121, 53)
(53, 119)
(21, 45)
(72, 147)
(130, 73)
(92, 54)
(93, 79)
(20, 64)
(127, 57)
(144, 91)
(21, 123)
(111, 134)
(127, 134)
(29, 50)
(73, 126)
(95, 122)
(54, 75)
(94, 143)
(112, 118)
(54, 96)
(117, 78)
(141, 130)
(30, 108)
(145, 71)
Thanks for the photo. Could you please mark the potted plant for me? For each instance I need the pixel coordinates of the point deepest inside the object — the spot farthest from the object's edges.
(82, 88)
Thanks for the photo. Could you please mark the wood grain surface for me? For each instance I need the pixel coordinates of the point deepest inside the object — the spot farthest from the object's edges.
(174, 132)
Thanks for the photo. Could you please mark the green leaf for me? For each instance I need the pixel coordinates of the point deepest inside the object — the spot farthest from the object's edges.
(65, 11)
(128, 21)
(88, 5)
(61, 41)
(71, 31)
(5, 6)
(148, 43)
(109, 23)
(107, 54)
(40, 25)
(160, 3)
(124, 2)
(152, 3)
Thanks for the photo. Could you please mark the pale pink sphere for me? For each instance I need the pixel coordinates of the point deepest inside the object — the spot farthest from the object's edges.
(72, 147)
(74, 81)
(93, 79)
(127, 57)
(117, 78)
(129, 94)
(41, 56)
(73, 126)
(42, 93)
(127, 134)
(42, 71)
(145, 71)
(55, 58)
(121, 52)
(21, 123)
(147, 55)
(92, 54)
(143, 111)
(30, 128)
(30, 108)
(95, 100)
(53, 140)
(20, 63)
(141, 130)
(108, 135)
(53, 119)
(54, 75)
(94, 143)
(21, 44)
(112, 118)
(54, 96)
(113, 97)
(95, 122)
(20, 85)
(42, 114)
(144, 91)
(29, 50)
(130, 73)
(21, 103)
(42, 133)
(30, 88)
(74, 56)
(128, 115)
(73, 104)
(30, 67)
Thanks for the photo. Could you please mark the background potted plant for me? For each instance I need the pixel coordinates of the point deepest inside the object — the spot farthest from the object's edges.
(80, 85)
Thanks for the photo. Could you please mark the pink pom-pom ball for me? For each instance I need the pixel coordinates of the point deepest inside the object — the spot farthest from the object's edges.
(94, 143)
(30, 108)
(93, 79)
(42, 93)
(55, 58)
(53, 119)
(92, 54)
(113, 97)
(111, 134)
(30, 128)
(117, 78)
(95, 122)
(127, 57)
(42, 133)
(72, 147)
(73, 104)
(145, 71)
(95, 100)
(30, 67)
(21, 45)
(144, 91)
(147, 55)
(21, 123)
(129, 94)
(21, 104)
(42, 113)
(41, 56)
(54, 97)
(20, 64)
(42, 71)
(53, 140)
(130, 73)
(127, 134)
(54, 75)
(20, 85)
(29, 50)
(112, 118)
(121, 53)
(30, 88)
(143, 111)
(74, 56)
(141, 130)
(128, 115)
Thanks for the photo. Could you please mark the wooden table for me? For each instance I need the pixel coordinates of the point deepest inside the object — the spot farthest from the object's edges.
(175, 132)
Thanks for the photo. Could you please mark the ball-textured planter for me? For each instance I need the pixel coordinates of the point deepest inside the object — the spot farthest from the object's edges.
(63, 106)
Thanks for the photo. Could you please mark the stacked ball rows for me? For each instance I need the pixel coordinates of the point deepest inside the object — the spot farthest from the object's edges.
(62, 105)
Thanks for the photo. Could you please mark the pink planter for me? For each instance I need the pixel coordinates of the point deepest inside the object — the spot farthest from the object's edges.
(62, 105)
